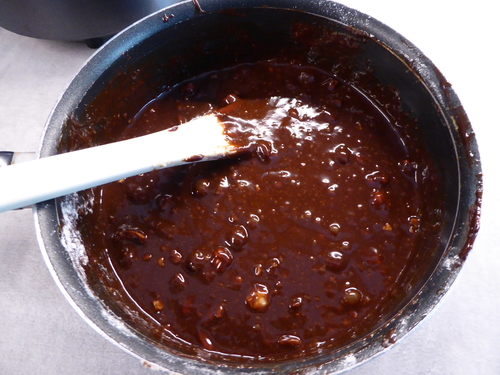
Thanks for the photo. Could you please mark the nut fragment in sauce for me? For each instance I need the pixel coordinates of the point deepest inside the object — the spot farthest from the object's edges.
(259, 298)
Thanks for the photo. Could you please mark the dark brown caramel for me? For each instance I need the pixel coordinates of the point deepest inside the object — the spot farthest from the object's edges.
(304, 243)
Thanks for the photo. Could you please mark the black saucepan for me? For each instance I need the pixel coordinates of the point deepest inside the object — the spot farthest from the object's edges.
(189, 38)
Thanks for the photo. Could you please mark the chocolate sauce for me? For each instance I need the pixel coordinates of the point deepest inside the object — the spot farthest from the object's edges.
(307, 242)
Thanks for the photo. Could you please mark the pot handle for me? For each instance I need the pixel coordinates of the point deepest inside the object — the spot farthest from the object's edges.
(6, 158)
(10, 157)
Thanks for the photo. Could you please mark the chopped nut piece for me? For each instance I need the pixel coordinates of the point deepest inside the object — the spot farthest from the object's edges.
(222, 259)
(177, 283)
(352, 296)
(196, 261)
(205, 339)
(218, 312)
(290, 340)
(387, 226)
(258, 269)
(296, 303)
(342, 155)
(215, 313)
(259, 298)
(201, 188)
(377, 179)
(414, 224)
(272, 266)
(237, 237)
(130, 234)
(379, 199)
(346, 245)
(175, 256)
(336, 261)
(158, 305)
(334, 228)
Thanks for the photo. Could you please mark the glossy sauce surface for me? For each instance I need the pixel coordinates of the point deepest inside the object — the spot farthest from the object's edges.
(304, 243)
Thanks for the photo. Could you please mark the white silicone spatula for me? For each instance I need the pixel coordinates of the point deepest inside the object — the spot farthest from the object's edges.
(35, 181)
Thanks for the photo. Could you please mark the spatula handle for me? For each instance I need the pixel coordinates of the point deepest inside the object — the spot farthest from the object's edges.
(46, 178)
